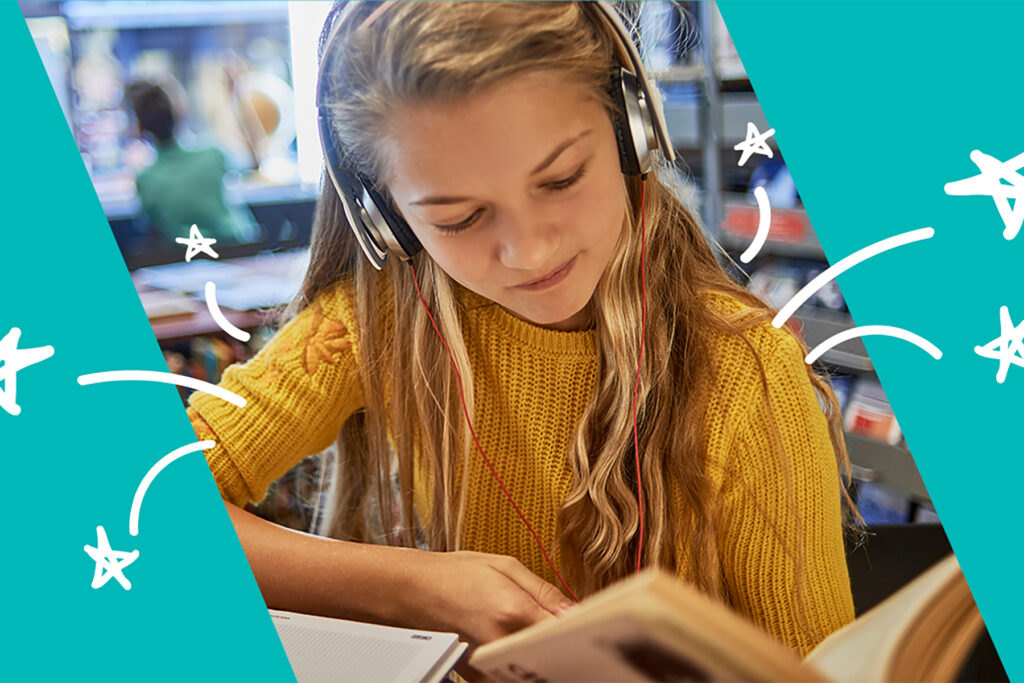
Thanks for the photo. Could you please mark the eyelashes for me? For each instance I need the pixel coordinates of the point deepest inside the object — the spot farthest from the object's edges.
(458, 227)
(568, 182)
(556, 186)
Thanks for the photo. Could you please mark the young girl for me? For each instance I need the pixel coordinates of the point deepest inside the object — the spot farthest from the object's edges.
(551, 271)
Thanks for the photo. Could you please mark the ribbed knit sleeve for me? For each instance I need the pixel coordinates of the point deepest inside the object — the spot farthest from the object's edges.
(781, 505)
(299, 389)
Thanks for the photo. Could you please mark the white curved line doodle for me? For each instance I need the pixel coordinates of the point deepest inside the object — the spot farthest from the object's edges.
(165, 378)
(140, 492)
(218, 315)
(763, 224)
(850, 261)
(867, 330)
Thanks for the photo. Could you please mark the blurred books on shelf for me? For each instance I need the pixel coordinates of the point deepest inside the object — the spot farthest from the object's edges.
(925, 514)
(842, 385)
(881, 504)
(869, 413)
(778, 280)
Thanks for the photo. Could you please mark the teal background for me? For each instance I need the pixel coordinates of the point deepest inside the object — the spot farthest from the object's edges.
(876, 107)
(75, 455)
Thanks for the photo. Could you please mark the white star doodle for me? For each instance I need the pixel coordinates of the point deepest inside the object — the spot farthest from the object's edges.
(196, 243)
(1008, 347)
(990, 182)
(13, 359)
(109, 563)
(756, 142)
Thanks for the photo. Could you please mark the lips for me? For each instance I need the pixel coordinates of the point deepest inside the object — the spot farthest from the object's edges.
(551, 279)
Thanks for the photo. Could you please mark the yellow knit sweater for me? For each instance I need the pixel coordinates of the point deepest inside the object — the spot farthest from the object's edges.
(531, 387)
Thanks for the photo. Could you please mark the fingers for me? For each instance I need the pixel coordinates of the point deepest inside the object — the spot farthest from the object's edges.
(548, 597)
(467, 672)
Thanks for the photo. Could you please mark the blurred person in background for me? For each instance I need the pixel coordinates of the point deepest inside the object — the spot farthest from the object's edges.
(182, 187)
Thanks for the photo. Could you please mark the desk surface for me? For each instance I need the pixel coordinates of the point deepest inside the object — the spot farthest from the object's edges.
(277, 276)
(202, 323)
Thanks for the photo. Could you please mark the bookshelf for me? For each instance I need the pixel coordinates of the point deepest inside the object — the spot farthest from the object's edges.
(705, 121)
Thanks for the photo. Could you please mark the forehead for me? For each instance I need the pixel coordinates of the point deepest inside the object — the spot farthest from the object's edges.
(504, 131)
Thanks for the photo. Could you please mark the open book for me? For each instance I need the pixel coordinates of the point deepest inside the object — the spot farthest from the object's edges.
(322, 649)
(654, 627)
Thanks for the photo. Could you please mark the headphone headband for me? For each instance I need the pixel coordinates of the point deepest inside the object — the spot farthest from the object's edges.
(653, 96)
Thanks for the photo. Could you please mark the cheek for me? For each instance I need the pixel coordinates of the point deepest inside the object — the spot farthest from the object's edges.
(459, 257)
(605, 209)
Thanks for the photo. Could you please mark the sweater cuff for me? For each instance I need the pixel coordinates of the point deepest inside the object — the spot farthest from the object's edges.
(232, 486)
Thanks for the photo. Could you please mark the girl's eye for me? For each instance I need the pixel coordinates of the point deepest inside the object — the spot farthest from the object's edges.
(557, 186)
(566, 183)
(458, 227)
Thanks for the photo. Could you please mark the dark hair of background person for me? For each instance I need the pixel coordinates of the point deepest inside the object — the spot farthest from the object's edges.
(153, 110)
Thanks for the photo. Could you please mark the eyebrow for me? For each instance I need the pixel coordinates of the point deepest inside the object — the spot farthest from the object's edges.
(550, 159)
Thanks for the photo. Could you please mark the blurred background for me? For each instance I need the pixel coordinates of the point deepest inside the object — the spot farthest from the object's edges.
(239, 77)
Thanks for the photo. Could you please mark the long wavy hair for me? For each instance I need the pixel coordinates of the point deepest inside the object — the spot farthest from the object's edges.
(416, 52)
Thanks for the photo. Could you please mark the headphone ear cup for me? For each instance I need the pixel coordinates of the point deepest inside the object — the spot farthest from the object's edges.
(628, 160)
(404, 236)
(377, 227)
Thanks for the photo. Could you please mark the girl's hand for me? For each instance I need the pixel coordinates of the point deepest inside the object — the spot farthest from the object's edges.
(481, 597)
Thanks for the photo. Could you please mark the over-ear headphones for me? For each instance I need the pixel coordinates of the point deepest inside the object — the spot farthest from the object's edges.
(638, 121)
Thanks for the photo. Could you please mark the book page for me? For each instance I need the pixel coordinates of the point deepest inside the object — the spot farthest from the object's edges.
(649, 627)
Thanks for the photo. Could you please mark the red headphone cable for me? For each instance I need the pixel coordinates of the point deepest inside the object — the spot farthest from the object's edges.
(472, 433)
(636, 390)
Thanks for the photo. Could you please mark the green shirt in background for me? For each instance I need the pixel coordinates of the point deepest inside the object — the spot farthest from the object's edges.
(185, 187)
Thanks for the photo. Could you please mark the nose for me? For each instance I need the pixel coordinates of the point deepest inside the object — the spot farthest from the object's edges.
(528, 243)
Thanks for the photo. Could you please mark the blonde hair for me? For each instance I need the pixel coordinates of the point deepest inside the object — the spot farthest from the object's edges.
(417, 52)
